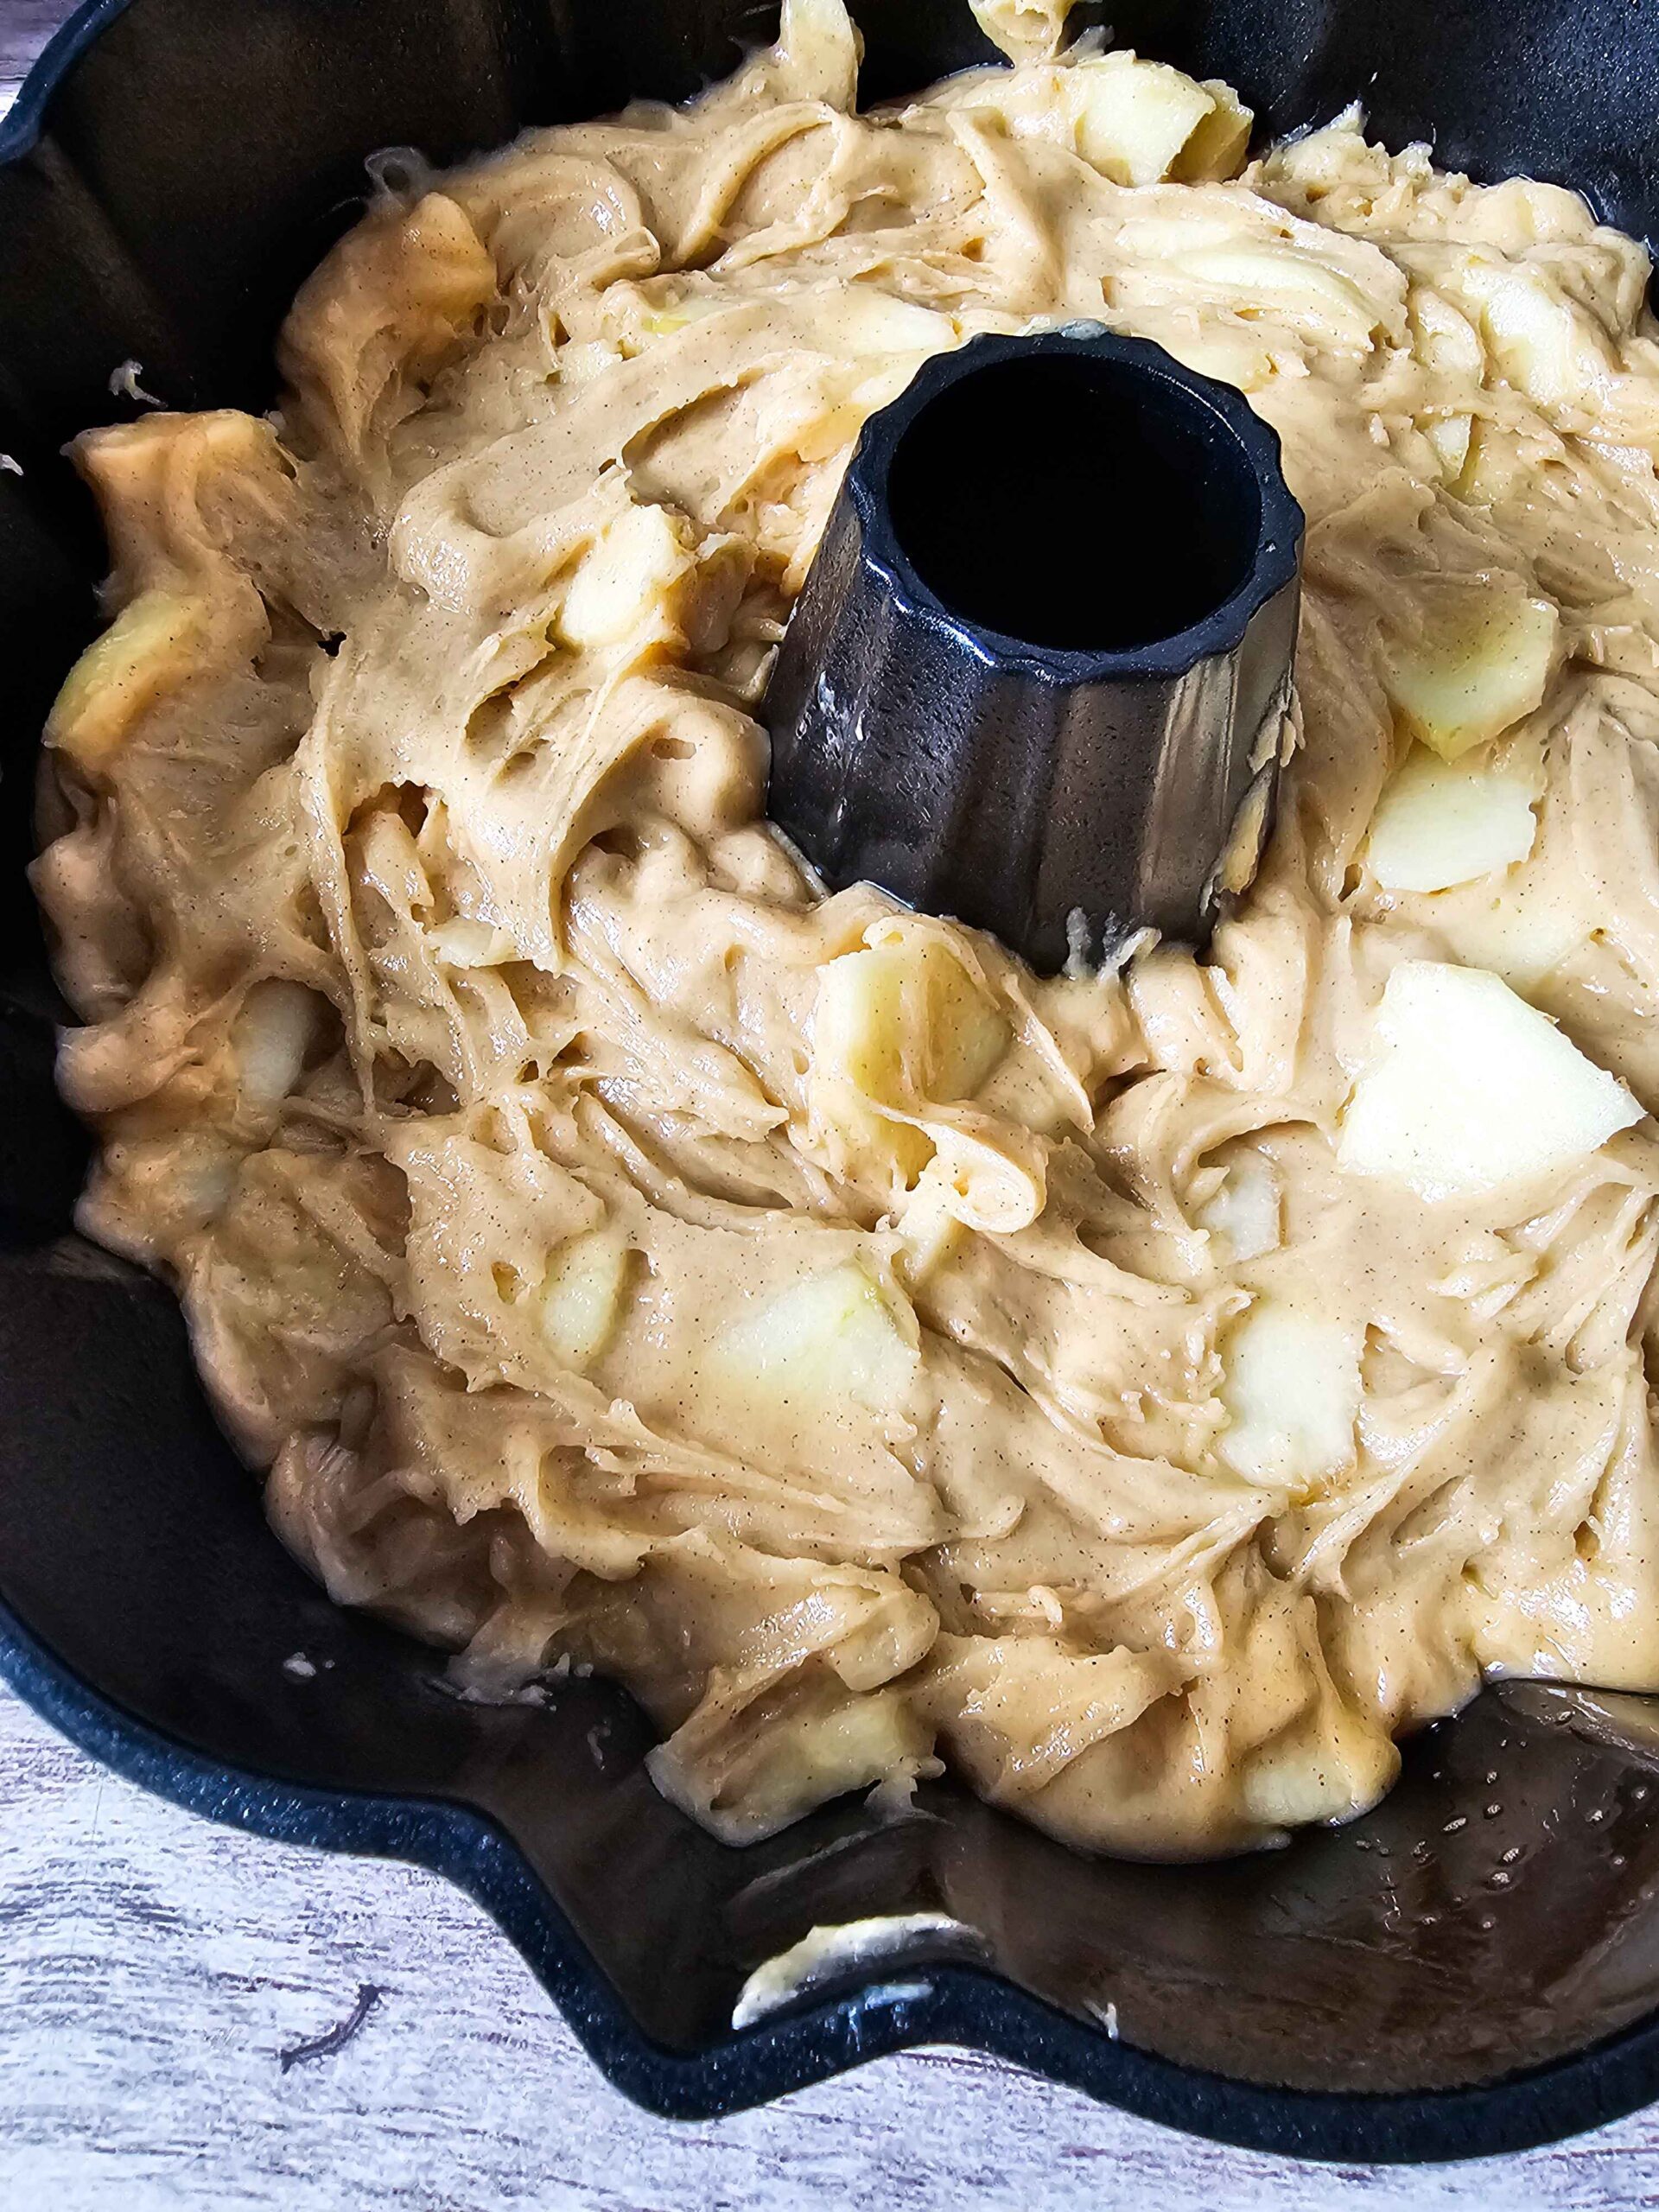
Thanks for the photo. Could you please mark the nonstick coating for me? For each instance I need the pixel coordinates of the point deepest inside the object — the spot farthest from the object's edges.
(931, 734)
(1437, 1979)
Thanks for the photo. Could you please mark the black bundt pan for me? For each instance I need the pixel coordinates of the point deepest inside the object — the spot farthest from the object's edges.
(1473, 1967)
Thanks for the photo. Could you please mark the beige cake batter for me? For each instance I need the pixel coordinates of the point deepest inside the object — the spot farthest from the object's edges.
(1148, 1394)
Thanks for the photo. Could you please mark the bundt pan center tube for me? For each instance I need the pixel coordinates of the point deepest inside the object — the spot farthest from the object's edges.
(1038, 672)
(173, 170)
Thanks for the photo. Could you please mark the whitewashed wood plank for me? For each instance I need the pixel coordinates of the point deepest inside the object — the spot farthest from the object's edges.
(25, 26)
(153, 1969)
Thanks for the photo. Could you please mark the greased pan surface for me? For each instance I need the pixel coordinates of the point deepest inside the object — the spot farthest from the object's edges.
(173, 168)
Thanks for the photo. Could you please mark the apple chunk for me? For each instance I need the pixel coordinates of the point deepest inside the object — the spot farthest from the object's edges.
(270, 1038)
(905, 1019)
(632, 569)
(1134, 119)
(930, 1231)
(582, 1295)
(1292, 1390)
(1468, 1087)
(1441, 822)
(152, 646)
(1216, 149)
(829, 1340)
(1477, 663)
(1244, 1214)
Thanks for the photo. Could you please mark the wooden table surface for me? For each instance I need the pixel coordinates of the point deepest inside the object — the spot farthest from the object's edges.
(155, 1970)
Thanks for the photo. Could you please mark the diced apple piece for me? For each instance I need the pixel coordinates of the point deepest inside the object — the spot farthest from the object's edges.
(967, 1033)
(905, 1016)
(1468, 1087)
(1495, 465)
(1319, 1774)
(1136, 122)
(629, 571)
(1279, 280)
(856, 1742)
(1243, 1215)
(1293, 1785)
(646, 579)
(1480, 662)
(1292, 1388)
(147, 650)
(860, 1039)
(582, 1295)
(663, 322)
(1026, 30)
(585, 360)
(461, 942)
(1446, 343)
(1542, 343)
(271, 1034)
(668, 322)
(865, 320)
(1440, 823)
(929, 1227)
(760, 1779)
(1218, 146)
(820, 49)
(830, 1338)
(1451, 436)
(1132, 118)
(858, 1019)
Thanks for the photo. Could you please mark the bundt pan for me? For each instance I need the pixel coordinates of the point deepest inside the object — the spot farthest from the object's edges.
(1472, 1968)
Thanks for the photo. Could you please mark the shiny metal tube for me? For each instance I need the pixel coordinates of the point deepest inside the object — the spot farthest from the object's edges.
(1037, 677)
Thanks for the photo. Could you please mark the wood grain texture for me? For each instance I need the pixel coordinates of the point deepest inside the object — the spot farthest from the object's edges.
(25, 26)
(155, 1971)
